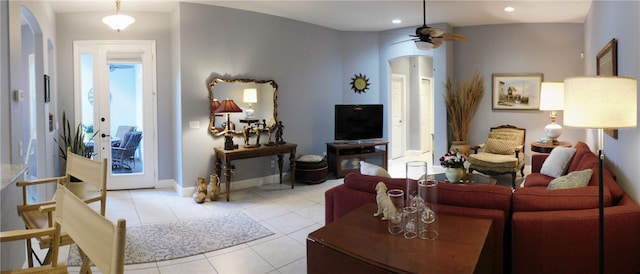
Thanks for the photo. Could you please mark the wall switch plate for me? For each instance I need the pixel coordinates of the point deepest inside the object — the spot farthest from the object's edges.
(194, 124)
(18, 95)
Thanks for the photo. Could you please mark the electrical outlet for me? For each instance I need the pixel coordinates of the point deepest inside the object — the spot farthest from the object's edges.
(273, 163)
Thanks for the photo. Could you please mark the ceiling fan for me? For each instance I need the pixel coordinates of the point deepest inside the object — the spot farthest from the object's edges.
(434, 36)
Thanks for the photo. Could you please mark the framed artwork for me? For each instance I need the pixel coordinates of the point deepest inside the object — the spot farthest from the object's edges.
(607, 65)
(47, 89)
(516, 91)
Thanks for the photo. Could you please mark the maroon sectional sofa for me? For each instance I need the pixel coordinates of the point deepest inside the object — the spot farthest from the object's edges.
(535, 230)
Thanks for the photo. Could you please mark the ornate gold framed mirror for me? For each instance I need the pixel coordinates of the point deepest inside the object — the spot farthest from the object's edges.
(264, 103)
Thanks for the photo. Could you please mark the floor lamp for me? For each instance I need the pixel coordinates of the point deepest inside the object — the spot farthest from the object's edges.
(598, 103)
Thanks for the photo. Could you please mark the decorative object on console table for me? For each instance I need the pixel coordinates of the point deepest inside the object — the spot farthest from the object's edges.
(599, 103)
(454, 162)
(607, 65)
(227, 107)
(280, 133)
(462, 101)
(516, 91)
(552, 98)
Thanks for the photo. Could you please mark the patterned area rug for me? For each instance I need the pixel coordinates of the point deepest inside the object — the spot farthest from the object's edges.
(160, 242)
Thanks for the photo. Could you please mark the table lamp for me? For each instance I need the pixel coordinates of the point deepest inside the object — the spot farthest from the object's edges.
(250, 96)
(552, 98)
(227, 107)
(600, 102)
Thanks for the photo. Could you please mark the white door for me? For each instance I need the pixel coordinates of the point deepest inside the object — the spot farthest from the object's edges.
(426, 114)
(115, 94)
(398, 87)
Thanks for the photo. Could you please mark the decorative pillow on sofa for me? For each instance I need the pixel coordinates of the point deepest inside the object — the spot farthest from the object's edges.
(374, 170)
(572, 180)
(558, 161)
(498, 146)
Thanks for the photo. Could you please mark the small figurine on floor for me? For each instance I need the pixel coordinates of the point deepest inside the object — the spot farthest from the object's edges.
(201, 191)
(214, 188)
(385, 206)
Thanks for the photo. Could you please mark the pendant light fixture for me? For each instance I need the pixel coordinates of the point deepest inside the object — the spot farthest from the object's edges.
(118, 21)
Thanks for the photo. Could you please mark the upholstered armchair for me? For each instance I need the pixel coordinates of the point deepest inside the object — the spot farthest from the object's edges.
(501, 153)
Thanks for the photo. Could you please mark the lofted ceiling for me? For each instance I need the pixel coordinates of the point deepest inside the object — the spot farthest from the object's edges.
(369, 15)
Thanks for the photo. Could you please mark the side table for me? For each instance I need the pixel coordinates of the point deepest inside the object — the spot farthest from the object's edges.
(547, 147)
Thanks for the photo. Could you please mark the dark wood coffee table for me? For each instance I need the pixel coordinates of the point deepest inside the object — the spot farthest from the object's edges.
(360, 243)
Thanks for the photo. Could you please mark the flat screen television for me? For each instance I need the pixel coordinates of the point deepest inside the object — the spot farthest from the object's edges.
(355, 123)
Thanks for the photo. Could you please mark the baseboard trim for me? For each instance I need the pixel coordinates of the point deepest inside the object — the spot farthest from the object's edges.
(187, 191)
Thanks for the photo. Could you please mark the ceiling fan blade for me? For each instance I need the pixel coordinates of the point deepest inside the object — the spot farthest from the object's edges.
(437, 42)
(433, 32)
(403, 41)
(454, 37)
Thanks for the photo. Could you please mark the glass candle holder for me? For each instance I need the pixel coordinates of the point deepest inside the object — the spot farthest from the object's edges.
(428, 210)
(396, 204)
(415, 170)
(410, 222)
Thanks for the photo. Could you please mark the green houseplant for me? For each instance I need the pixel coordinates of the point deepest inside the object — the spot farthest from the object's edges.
(73, 139)
(461, 101)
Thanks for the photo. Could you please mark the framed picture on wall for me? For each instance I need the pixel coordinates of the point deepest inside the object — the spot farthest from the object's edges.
(516, 91)
(607, 65)
(47, 89)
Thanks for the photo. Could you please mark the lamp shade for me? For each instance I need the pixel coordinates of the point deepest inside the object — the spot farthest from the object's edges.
(600, 102)
(552, 96)
(250, 95)
(118, 22)
(227, 106)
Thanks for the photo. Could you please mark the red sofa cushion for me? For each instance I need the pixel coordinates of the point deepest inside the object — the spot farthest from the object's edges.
(541, 199)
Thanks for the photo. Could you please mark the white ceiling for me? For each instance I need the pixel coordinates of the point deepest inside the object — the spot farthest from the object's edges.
(370, 15)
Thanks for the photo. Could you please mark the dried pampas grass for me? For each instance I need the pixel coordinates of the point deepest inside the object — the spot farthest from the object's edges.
(462, 102)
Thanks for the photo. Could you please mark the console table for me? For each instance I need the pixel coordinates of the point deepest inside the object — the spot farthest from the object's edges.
(245, 153)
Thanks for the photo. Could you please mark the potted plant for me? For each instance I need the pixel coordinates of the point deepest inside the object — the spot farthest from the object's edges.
(74, 140)
(462, 101)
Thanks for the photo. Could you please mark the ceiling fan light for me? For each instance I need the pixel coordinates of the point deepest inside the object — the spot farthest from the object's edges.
(118, 22)
(424, 45)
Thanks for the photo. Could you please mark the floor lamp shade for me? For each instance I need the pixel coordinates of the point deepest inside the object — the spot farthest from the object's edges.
(600, 102)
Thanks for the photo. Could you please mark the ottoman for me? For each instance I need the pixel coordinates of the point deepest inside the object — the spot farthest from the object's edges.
(311, 169)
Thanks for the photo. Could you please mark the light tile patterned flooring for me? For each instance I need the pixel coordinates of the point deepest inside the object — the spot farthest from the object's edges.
(290, 213)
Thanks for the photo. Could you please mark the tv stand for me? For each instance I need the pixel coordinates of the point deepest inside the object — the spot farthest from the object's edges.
(344, 158)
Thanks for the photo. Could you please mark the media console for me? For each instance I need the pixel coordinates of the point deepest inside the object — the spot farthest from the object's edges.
(345, 157)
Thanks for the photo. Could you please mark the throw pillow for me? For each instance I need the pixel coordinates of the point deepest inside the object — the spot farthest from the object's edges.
(558, 161)
(498, 146)
(374, 170)
(572, 180)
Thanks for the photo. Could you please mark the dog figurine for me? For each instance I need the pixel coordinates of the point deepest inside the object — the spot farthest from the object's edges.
(385, 206)
(214, 188)
(201, 191)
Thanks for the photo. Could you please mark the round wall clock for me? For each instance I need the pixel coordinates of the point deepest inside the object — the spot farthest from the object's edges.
(359, 83)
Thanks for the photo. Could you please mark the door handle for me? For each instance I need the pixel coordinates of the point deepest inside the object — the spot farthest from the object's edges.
(105, 135)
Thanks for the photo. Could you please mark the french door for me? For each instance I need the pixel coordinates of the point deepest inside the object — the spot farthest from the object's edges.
(115, 100)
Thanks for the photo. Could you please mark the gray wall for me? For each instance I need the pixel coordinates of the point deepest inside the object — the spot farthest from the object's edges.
(607, 20)
(551, 49)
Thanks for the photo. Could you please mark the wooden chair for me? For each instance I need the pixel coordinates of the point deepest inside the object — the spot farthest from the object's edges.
(502, 153)
(52, 233)
(41, 215)
(100, 241)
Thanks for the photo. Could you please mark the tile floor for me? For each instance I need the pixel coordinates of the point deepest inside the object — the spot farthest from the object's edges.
(290, 213)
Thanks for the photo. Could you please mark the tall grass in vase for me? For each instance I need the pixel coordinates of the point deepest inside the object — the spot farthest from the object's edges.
(462, 101)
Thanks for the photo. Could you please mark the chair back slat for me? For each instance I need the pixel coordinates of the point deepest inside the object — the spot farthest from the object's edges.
(97, 237)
